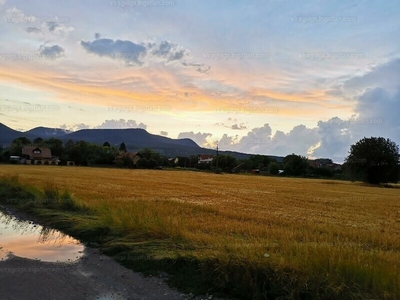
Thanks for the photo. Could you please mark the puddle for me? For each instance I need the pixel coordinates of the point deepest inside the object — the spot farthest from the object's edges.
(26, 239)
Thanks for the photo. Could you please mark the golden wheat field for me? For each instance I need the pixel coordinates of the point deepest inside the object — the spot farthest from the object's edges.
(346, 231)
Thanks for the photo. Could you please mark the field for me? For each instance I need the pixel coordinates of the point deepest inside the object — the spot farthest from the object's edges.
(266, 237)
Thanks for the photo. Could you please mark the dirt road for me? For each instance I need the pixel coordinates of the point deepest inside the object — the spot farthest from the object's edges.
(94, 276)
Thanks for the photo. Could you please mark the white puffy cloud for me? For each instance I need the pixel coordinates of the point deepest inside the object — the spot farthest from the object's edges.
(261, 141)
(377, 105)
(75, 127)
(120, 124)
(199, 138)
(376, 112)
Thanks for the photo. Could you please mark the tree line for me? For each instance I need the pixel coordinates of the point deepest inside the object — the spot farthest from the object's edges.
(372, 160)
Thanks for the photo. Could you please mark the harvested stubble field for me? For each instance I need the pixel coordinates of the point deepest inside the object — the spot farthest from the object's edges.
(266, 236)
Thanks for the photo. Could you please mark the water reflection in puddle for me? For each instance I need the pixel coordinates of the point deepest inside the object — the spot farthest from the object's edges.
(25, 239)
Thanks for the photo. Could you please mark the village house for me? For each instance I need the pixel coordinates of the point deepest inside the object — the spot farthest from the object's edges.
(205, 158)
(38, 156)
(128, 158)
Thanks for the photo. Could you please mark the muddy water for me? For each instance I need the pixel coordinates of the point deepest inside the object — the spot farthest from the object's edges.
(25, 239)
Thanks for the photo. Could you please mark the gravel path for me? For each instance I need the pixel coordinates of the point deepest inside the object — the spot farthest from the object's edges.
(93, 276)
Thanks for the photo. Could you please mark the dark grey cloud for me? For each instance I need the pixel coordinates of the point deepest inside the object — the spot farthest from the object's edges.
(51, 52)
(376, 112)
(34, 30)
(240, 126)
(131, 53)
(169, 52)
(58, 28)
(52, 26)
(201, 68)
(141, 53)
(385, 76)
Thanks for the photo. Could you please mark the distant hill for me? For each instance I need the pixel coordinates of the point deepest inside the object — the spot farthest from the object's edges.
(134, 139)
(7, 135)
(46, 133)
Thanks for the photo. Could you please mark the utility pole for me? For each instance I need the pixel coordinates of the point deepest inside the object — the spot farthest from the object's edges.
(217, 156)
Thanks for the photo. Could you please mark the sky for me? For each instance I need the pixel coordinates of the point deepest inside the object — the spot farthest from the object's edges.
(270, 77)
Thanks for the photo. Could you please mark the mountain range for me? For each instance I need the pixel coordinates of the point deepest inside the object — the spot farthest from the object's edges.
(134, 139)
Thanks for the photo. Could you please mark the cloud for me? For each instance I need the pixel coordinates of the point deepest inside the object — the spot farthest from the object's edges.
(34, 30)
(2, 2)
(257, 138)
(164, 133)
(227, 142)
(17, 16)
(169, 52)
(240, 126)
(127, 51)
(75, 127)
(120, 124)
(261, 141)
(58, 28)
(376, 112)
(138, 54)
(52, 52)
(201, 68)
(199, 138)
(385, 76)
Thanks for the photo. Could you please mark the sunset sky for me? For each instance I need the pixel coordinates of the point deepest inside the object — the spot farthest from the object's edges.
(270, 77)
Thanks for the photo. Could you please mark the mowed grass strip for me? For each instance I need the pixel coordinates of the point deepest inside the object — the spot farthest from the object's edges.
(313, 238)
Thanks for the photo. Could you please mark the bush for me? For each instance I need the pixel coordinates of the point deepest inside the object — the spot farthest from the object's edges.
(273, 168)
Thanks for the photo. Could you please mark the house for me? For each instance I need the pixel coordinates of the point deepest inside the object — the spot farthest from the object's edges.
(334, 167)
(127, 158)
(39, 156)
(205, 158)
(325, 163)
(173, 160)
(135, 157)
(319, 162)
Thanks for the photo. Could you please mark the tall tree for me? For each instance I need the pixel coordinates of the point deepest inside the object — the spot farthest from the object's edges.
(374, 160)
(122, 147)
(38, 141)
(22, 141)
(295, 165)
(273, 168)
(55, 145)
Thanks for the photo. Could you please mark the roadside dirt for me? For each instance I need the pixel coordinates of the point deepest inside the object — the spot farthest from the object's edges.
(93, 276)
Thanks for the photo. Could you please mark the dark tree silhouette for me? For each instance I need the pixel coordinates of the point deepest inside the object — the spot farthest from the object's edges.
(374, 160)
(122, 147)
(295, 165)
